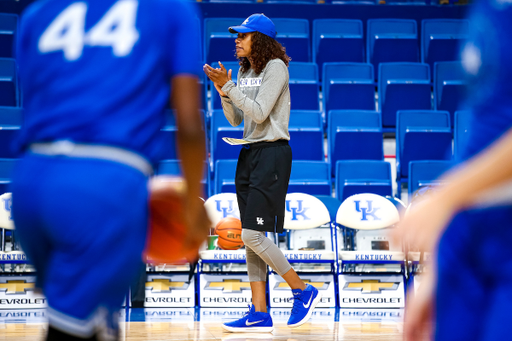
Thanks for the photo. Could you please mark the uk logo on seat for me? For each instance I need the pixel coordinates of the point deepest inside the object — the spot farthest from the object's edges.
(369, 211)
(227, 208)
(8, 205)
(297, 209)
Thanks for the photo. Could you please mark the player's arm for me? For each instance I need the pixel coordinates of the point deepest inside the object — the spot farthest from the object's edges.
(426, 221)
(191, 150)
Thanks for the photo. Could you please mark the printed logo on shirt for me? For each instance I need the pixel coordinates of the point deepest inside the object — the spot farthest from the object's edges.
(259, 220)
(247, 82)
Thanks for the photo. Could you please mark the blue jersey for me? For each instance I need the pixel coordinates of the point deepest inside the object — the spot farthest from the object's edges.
(487, 60)
(99, 71)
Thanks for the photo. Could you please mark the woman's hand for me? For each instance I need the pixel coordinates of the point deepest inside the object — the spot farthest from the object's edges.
(219, 76)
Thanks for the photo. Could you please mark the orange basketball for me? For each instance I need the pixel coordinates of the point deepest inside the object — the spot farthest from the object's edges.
(167, 229)
(229, 231)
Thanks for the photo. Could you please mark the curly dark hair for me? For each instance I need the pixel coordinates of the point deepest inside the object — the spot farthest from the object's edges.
(263, 50)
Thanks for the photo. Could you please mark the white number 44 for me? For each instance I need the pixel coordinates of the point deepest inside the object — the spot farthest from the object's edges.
(116, 29)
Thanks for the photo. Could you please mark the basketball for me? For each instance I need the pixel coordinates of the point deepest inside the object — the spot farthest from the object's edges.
(167, 229)
(229, 231)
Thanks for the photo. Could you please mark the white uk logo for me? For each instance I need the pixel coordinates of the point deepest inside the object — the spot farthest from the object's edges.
(259, 220)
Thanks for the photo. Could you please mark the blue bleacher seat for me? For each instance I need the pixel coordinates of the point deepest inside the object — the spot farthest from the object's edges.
(306, 135)
(7, 136)
(11, 116)
(173, 168)
(6, 170)
(440, 39)
(293, 34)
(421, 135)
(219, 44)
(391, 40)
(348, 86)
(449, 86)
(220, 127)
(425, 173)
(224, 178)
(403, 86)
(8, 28)
(234, 66)
(310, 177)
(337, 40)
(461, 133)
(9, 95)
(362, 176)
(354, 135)
(304, 86)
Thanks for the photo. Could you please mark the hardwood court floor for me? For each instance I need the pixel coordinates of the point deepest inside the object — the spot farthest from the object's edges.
(349, 328)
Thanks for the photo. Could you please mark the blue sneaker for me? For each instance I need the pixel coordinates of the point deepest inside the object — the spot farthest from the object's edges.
(252, 322)
(304, 303)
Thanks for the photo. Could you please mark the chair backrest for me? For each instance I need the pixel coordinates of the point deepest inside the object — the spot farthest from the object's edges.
(9, 78)
(335, 30)
(304, 211)
(303, 72)
(218, 28)
(432, 29)
(420, 118)
(225, 171)
(461, 132)
(220, 206)
(6, 221)
(311, 177)
(351, 119)
(392, 28)
(367, 211)
(220, 125)
(423, 173)
(8, 29)
(344, 72)
(362, 169)
(11, 116)
(446, 72)
(401, 72)
(294, 35)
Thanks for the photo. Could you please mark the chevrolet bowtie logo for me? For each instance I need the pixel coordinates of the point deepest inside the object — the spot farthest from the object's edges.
(165, 285)
(229, 285)
(371, 286)
(318, 285)
(16, 287)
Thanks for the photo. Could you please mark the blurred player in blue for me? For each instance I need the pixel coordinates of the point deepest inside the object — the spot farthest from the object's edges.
(469, 295)
(96, 77)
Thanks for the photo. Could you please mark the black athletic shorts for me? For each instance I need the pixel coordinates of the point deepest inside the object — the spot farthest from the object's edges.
(262, 176)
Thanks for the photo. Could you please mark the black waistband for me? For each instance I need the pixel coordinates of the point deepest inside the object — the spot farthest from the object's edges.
(266, 144)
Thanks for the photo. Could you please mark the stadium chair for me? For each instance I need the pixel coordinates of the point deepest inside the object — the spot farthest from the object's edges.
(306, 135)
(234, 66)
(9, 95)
(449, 86)
(6, 171)
(362, 176)
(8, 28)
(348, 86)
(441, 38)
(173, 168)
(220, 150)
(337, 40)
(421, 135)
(7, 136)
(425, 173)
(293, 34)
(311, 249)
(219, 44)
(391, 40)
(11, 116)
(354, 135)
(224, 178)
(403, 86)
(304, 86)
(369, 260)
(310, 177)
(461, 133)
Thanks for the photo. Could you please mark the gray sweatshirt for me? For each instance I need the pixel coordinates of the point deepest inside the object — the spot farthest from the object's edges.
(261, 101)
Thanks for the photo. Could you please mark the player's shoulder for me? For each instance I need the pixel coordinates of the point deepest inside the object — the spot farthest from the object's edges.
(275, 64)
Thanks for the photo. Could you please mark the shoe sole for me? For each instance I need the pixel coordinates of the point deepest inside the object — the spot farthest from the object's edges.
(308, 316)
(248, 329)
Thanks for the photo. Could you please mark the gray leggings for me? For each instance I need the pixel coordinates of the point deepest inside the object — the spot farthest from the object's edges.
(261, 251)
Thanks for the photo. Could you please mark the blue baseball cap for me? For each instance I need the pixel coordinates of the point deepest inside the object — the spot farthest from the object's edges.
(256, 22)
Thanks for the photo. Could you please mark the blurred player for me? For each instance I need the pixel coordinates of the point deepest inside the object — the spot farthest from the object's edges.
(96, 77)
(469, 294)
(262, 100)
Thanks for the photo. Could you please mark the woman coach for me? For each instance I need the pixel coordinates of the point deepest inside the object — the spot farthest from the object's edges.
(262, 100)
